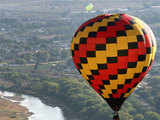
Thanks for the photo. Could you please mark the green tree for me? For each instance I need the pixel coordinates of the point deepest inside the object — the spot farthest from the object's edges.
(41, 56)
(139, 117)
(125, 116)
(20, 61)
(152, 116)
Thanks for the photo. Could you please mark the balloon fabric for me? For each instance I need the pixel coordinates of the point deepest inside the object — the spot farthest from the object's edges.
(113, 53)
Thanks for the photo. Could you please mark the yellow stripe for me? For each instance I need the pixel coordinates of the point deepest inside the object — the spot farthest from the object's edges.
(122, 43)
(101, 54)
(111, 50)
(127, 94)
(131, 38)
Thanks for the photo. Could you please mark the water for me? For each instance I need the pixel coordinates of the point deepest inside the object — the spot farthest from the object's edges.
(40, 110)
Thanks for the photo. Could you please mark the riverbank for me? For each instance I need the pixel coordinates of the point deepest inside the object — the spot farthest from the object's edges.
(37, 109)
(68, 113)
(10, 110)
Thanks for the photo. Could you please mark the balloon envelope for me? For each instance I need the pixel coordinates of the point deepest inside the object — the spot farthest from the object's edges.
(113, 53)
(89, 7)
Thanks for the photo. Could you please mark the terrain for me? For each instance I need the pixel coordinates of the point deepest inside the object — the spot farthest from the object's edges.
(35, 59)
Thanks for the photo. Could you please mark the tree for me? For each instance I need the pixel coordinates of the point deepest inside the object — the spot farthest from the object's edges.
(125, 116)
(27, 56)
(139, 117)
(41, 56)
(152, 116)
(20, 61)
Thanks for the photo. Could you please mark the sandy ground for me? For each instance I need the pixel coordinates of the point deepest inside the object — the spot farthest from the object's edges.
(12, 111)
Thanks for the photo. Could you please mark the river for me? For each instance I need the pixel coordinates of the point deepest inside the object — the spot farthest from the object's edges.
(40, 110)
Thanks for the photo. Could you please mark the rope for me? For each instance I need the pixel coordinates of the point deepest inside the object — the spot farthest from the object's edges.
(116, 116)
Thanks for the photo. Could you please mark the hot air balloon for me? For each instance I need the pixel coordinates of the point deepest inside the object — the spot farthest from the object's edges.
(113, 53)
(89, 7)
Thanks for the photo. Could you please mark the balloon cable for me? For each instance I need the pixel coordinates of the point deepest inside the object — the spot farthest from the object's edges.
(116, 116)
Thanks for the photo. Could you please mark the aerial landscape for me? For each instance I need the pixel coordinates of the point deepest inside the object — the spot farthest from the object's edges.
(35, 59)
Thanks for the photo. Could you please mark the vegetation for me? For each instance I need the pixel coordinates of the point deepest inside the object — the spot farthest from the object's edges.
(77, 95)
